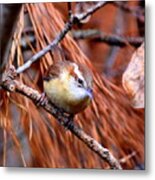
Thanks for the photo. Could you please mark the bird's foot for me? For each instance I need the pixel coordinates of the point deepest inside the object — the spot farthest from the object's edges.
(68, 124)
(42, 101)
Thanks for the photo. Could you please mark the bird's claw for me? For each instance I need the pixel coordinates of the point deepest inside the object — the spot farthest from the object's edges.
(42, 101)
(68, 124)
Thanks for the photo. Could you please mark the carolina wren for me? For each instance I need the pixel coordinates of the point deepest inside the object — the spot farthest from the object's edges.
(68, 86)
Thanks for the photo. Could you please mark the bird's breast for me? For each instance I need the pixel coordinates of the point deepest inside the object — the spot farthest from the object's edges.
(59, 94)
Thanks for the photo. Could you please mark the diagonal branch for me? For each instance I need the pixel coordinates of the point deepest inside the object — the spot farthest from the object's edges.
(68, 26)
(10, 84)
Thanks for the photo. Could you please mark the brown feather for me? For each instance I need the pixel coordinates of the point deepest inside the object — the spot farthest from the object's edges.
(56, 69)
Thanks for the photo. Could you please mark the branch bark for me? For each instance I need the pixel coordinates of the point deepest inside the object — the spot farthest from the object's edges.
(10, 84)
(68, 26)
(111, 39)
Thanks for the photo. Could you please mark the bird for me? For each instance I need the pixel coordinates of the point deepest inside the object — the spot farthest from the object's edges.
(68, 86)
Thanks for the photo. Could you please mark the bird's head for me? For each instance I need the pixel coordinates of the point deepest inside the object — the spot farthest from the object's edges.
(69, 86)
(78, 80)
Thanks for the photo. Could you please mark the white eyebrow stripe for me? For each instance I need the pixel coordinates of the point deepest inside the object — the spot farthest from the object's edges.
(76, 70)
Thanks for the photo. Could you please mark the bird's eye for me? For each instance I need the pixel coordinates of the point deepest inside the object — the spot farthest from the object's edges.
(80, 81)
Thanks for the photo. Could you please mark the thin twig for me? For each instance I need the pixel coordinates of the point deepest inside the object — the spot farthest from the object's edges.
(73, 19)
(46, 49)
(126, 158)
(95, 35)
(10, 84)
(91, 10)
(110, 39)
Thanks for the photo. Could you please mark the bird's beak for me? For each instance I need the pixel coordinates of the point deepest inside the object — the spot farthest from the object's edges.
(90, 93)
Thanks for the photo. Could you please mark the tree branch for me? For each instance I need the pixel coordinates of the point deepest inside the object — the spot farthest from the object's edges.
(10, 84)
(68, 26)
(111, 39)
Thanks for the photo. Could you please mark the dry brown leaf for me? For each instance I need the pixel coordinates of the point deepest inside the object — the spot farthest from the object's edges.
(133, 78)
